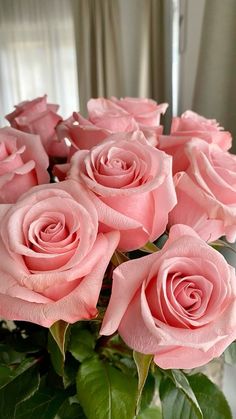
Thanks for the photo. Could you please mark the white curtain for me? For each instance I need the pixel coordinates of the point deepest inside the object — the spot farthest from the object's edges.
(37, 54)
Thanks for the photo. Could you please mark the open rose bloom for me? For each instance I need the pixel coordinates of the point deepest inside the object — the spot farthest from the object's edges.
(106, 117)
(86, 204)
(131, 186)
(41, 118)
(191, 125)
(206, 192)
(179, 303)
(52, 258)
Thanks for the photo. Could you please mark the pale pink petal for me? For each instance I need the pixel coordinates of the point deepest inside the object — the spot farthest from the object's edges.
(123, 279)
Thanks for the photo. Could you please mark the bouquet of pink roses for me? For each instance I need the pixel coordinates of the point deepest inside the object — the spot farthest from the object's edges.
(112, 287)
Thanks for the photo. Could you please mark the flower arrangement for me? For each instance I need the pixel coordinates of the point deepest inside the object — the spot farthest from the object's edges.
(113, 292)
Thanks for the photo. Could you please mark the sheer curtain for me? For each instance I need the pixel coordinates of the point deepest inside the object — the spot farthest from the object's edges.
(114, 47)
(37, 53)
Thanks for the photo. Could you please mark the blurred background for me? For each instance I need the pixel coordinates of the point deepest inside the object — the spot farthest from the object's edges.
(177, 51)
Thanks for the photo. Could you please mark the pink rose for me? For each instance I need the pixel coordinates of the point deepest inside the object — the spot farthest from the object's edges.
(131, 186)
(52, 258)
(177, 304)
(206, 192)
(146, 112)
(183, 129)
(82, 133)
(23, 163)
(39, 117)
(106, 117)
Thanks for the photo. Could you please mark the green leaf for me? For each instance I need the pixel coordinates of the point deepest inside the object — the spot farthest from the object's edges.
(59, 333)
(104, 392)
(118, 258)
(70, 371)
(56, 356)
(45, 403)
(57, 345)
(221, 243)
(82, 344)
(21, 385)
(149, 247)
(5, 375)
(142, 362)
(148, 392)
(230, 354)
(151, 413)
(210, 398)
(9, 356)
(71, 411)
(181, 382)
(17, 370)
(175, 403)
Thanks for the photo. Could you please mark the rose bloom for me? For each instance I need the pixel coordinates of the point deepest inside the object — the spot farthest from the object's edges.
(206, 192)
(131, 186)
(39, 117)
(81, 133)
(52, 258)
(23, 163)
(106, 117)
(183, 129)
(146, 112)
(177, 304)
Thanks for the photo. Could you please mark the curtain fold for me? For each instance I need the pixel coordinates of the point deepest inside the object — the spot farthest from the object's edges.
(215, 88)
(98, 48)
(121, 49)
(152, 51)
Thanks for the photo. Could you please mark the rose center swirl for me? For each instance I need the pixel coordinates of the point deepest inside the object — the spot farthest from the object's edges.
(180, 300)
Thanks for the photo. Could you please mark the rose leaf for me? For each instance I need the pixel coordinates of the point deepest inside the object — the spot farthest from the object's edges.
(104, 392)
(143, 363)
(175, 403)
(17, 387)
(210, 398)
(59, 332)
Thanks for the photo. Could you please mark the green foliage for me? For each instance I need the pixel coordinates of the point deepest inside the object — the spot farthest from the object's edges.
(175, 403)
(149, 247)
(71, 411)
(149, 389)
(118, 258)
(181, 382)
(73, 373)
(143, 363)
(104, 392)
(210, 398)
(18, 385)
(45, 403)
(191, 397)
(57, 345)
(59, 332)
(82, 343)
(57, 358)
(152, 412)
